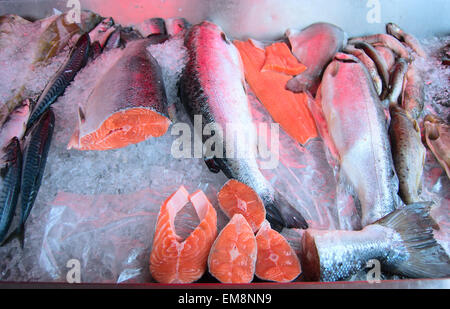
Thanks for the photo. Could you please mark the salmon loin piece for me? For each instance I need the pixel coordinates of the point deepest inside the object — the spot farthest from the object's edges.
(233, 255)
(127, 106)
(238, 198)
(279, 58)
(175, 261)
(276, 260)
(288, 109)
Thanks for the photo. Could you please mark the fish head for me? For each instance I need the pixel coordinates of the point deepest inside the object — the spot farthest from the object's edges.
(12, 151)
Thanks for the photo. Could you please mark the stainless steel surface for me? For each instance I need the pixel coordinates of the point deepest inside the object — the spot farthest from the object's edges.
(264, 19)
(389, 284)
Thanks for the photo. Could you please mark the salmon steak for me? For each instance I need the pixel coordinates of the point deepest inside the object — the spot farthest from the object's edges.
(276, 260)
(175, 261)
(233, 255)
(238, 198)
(127, 106)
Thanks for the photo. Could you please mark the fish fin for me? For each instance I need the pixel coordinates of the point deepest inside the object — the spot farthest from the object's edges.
(81, 115)
(425, 258)
(280, 213)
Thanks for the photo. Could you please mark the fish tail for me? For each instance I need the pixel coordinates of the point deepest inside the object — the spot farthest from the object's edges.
(280, 213)
(424, 257)
(18, 233)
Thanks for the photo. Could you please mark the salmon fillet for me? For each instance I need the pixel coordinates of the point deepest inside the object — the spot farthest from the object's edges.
(288, 109)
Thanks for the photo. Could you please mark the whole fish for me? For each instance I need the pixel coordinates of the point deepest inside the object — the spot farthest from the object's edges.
(212, 85)
(408, 153)
(402, 242)
(9, 193)
(387, 54)
(56, 87)
(357, 125)
(127, 105)
(413, 99)
(408, 39)
(14, 126)
(30, 47)
(315, 47)
(437, 135)
(397, 82)
(378, 60)
(369, 64)
(59, 32)
(34, 161)
(386, 40)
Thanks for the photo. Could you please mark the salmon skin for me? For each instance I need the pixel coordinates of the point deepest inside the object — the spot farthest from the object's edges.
(314, 47)
(34, 161)
(437, 136)
(128, 104)
(56, 87)
(9, 193)
(213, 85)
(408, 153)
(357, 124)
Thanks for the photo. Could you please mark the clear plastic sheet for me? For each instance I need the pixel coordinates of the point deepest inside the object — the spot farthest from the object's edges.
(100, 208)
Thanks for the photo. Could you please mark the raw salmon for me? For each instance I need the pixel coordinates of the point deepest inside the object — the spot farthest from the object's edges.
(127, 106)
(233, 255)
(176, 261)
(238, 198)
(212, 86)
(288, 109)
(276, 260)
(280, 59)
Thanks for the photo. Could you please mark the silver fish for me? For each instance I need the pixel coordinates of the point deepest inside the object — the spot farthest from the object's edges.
(213, 85)
(407, 38)
(315, 47)
(369, 64)
(386, 40)
(402, 242)
(357, 124)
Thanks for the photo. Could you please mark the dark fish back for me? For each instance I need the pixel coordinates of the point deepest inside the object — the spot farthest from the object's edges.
(35, 158)
(9, 193)
(77, 60)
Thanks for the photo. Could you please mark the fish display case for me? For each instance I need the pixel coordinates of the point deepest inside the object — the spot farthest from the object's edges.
(95, 216)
